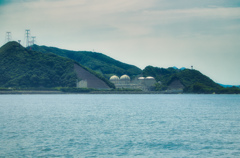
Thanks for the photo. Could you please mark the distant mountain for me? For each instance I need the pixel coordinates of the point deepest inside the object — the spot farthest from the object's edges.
(96, 61)
(21, 67)
(228, 86)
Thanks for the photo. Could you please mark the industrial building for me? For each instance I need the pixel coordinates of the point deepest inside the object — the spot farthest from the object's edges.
(143, 83)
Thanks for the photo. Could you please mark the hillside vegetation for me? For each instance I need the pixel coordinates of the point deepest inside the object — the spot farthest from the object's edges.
(53, 67)
(24, 68)
(96, 61)
(192, 80)
(20, 67)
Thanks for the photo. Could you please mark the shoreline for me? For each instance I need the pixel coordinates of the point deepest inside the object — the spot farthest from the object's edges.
(99, 92)
(31, 92)
(92, 92)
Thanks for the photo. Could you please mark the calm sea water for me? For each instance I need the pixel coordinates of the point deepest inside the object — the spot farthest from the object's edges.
(120, 126)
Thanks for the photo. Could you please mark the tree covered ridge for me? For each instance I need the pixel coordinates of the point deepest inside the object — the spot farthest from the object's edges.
(26, 68)
(98, 62)
(192, 80)
(21, 67)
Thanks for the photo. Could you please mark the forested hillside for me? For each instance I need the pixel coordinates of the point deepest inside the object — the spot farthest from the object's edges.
(192, 80)
(24, 68)
(20, 67)
(96, 61)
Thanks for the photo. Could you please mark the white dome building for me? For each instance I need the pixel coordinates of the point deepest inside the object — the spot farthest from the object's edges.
(141, 80)
(143, 83)
(150, 81)
(150, 78)
(124, 79)
(114, 79)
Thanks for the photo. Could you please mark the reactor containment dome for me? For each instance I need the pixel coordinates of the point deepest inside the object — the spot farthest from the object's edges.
(144, 83)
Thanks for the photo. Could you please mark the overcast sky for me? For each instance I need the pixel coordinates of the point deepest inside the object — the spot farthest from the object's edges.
(162, 33)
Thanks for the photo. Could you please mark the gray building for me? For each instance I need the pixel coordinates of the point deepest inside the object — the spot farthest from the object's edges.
(143, 83)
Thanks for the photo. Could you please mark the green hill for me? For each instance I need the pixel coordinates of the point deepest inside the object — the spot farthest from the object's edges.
(191, 80)
(50, 67)
(96, 61)
(24, 68)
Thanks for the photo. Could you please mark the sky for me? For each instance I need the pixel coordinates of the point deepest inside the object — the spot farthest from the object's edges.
(183, 33)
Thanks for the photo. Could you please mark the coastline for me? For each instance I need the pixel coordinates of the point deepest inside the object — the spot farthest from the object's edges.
(31, 92)
(91, 92)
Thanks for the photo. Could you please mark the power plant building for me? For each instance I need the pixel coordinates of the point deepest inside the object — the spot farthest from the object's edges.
(143, 83)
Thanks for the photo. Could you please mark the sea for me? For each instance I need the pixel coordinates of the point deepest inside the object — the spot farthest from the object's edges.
(119, 125)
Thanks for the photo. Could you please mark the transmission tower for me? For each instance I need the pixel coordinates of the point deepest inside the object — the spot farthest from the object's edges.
(33, 40)
(8, 36)
(27, 36)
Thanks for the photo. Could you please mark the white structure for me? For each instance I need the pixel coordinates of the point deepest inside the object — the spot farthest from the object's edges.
(124, 79)
(114, 79)
(82, 84)
(149, 81)
(142, 83)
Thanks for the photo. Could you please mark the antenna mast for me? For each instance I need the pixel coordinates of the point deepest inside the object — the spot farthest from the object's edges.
(8, 36)
(33, 40)
(27, 35)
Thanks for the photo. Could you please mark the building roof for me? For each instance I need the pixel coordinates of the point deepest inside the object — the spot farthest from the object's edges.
(114, 78)
(124, 77)
(141, 78)
(150, 78)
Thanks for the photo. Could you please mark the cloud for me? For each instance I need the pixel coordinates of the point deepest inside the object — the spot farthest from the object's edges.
(122, 19)
(133, 18)
(194, 4)
(209, 13)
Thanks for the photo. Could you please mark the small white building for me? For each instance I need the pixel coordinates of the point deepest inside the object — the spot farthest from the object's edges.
(82, 84)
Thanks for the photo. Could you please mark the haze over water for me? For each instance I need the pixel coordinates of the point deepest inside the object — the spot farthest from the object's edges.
(119, 125)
